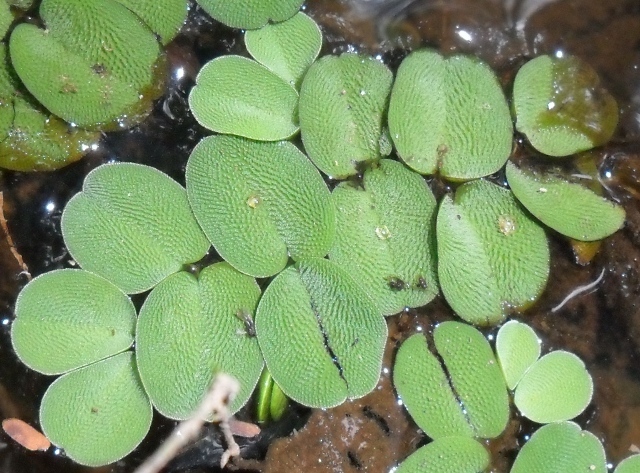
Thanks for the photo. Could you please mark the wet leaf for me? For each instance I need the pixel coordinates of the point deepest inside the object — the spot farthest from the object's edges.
(132, 225)
(561, 447)
(237, 96)
(192, 327)
(321, 336)
(99, 413)
(449, 116)
(250, 14)
(164, 17)
(69, 318)
(287, 48)
(492, 257)
(629, 465)
(568, 208)
(517, 348)
(342, 105)
(385, 236)
(459, 454)
(557, 387)
(561, 105)
(259, 203)
(25, 435)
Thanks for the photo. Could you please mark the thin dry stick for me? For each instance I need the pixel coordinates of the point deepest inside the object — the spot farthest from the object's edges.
(223, 389)
(12, 246)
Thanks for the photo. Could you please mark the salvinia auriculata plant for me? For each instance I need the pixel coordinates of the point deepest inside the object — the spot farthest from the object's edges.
(260, 199)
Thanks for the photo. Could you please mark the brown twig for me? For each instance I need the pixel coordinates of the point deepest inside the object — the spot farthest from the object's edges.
(12, 246)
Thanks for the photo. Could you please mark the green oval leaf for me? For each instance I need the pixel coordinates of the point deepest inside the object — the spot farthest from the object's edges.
(163, 17)
(384, 236)
(568, 208)
(321, 336)
(629, 465)
(561, 105)
(510, 262)
(97, 414)
(69, 318)
(6, 18)
(557, 387)
(287, 48)
(450, 454)
(250, 14)
(132, 225)
(561, 447)
(259, 203)
(342, 105)
(88, 76)
(449, 116)
(237, 96)
(191, 328)
(517, 348)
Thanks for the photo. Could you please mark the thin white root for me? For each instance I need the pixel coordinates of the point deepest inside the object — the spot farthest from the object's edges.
(223, 389)
(586, 289)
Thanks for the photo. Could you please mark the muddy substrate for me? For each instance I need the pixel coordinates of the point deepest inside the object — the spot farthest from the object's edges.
(374, 433)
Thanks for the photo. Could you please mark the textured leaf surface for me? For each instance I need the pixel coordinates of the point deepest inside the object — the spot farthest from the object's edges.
(191, 328)
(6, 18)
(164, 17)
(132, 225)
(321, 336)
(561, 447)
(517, 348)
(259, 203)
(250, 14)
(385, 236)
(287, 48)
(556, 388)
(492, 258)
(69, 318)
(342, 105)
(451, 454)
(97, 414)
(237, 96)
(561, 105)
(629, 465)
(567, 207)
(449, 115)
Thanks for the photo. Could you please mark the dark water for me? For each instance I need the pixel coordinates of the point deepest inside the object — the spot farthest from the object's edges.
(373, 434)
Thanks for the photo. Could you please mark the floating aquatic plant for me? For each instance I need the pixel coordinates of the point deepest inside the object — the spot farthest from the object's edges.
(448, 454)
(250, 14)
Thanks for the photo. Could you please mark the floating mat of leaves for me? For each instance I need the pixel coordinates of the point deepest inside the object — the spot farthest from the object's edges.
(321, 336)
(385, 238)
(492, 257)
(561, 447)
(561, 106)
(88, 76)
(449, 454)
(99, 413)
(163, 17)
(449, 116)
(568, 208)
(237, 96)
(69, 318)
(259, 203)
(342, 106)
(287, 48)
(517, 347)
(132, 225)
(465, 397)
(250, 14)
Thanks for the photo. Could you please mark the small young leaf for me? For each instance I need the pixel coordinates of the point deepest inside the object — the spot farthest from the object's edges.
(629, 465)
(69, 318)
(250, 14)
(99, 413)
(385, 237)
(191, 328)
(517, 348)
(342, 105)
(449, 454)
(556, 388)
(272, 402)
(259, 203)
(568, 208)
(132, 225)
(449, 115)
(321, 336)
(163, 17)
(287, 48)
(561, 105)
(492, 257)
(561, 447)
(237, 96)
